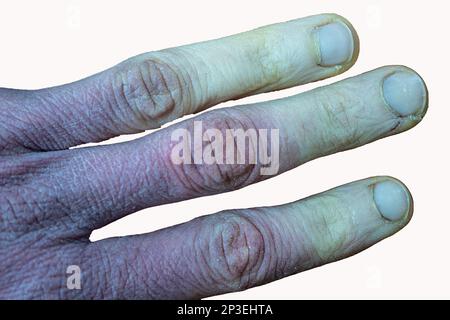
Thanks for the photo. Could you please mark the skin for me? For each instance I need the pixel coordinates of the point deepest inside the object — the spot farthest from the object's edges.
(52, 197)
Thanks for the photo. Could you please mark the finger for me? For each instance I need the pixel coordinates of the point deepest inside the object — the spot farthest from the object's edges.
(151, 89)
(239, 249)
(109, 182)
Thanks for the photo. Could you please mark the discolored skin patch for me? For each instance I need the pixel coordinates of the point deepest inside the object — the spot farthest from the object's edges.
(52, 197)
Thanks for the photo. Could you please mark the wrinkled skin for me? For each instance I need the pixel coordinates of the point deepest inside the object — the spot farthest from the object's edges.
(52, 197)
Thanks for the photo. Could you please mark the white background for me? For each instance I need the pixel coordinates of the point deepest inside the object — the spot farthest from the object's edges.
(46, 43)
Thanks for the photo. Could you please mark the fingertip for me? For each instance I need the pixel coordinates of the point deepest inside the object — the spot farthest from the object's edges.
(337, 42)
(393, 200)
(355, 37)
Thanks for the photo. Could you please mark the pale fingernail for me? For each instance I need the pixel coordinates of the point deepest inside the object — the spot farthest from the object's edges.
(391, 199)
(405, 92)
(335, 42)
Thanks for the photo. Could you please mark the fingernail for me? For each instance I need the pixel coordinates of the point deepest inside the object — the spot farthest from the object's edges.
(391, 199)
(405, 92)
(335, 43)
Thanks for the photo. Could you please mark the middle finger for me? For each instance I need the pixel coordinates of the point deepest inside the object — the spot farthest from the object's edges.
(109, 182)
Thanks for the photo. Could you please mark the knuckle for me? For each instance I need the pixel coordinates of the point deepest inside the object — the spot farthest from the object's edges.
(152, 90)
(237, 250)
(225, 158)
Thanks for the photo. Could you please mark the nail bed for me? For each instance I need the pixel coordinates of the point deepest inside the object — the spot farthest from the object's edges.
(391, 199)
(335, 42)
(405, 93)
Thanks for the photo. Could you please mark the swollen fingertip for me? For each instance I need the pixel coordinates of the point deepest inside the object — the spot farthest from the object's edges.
(392, 199)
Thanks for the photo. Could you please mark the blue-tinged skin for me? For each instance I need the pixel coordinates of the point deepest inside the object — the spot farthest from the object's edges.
(52, 197)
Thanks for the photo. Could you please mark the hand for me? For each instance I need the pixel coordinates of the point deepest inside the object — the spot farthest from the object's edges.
(52, 197)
